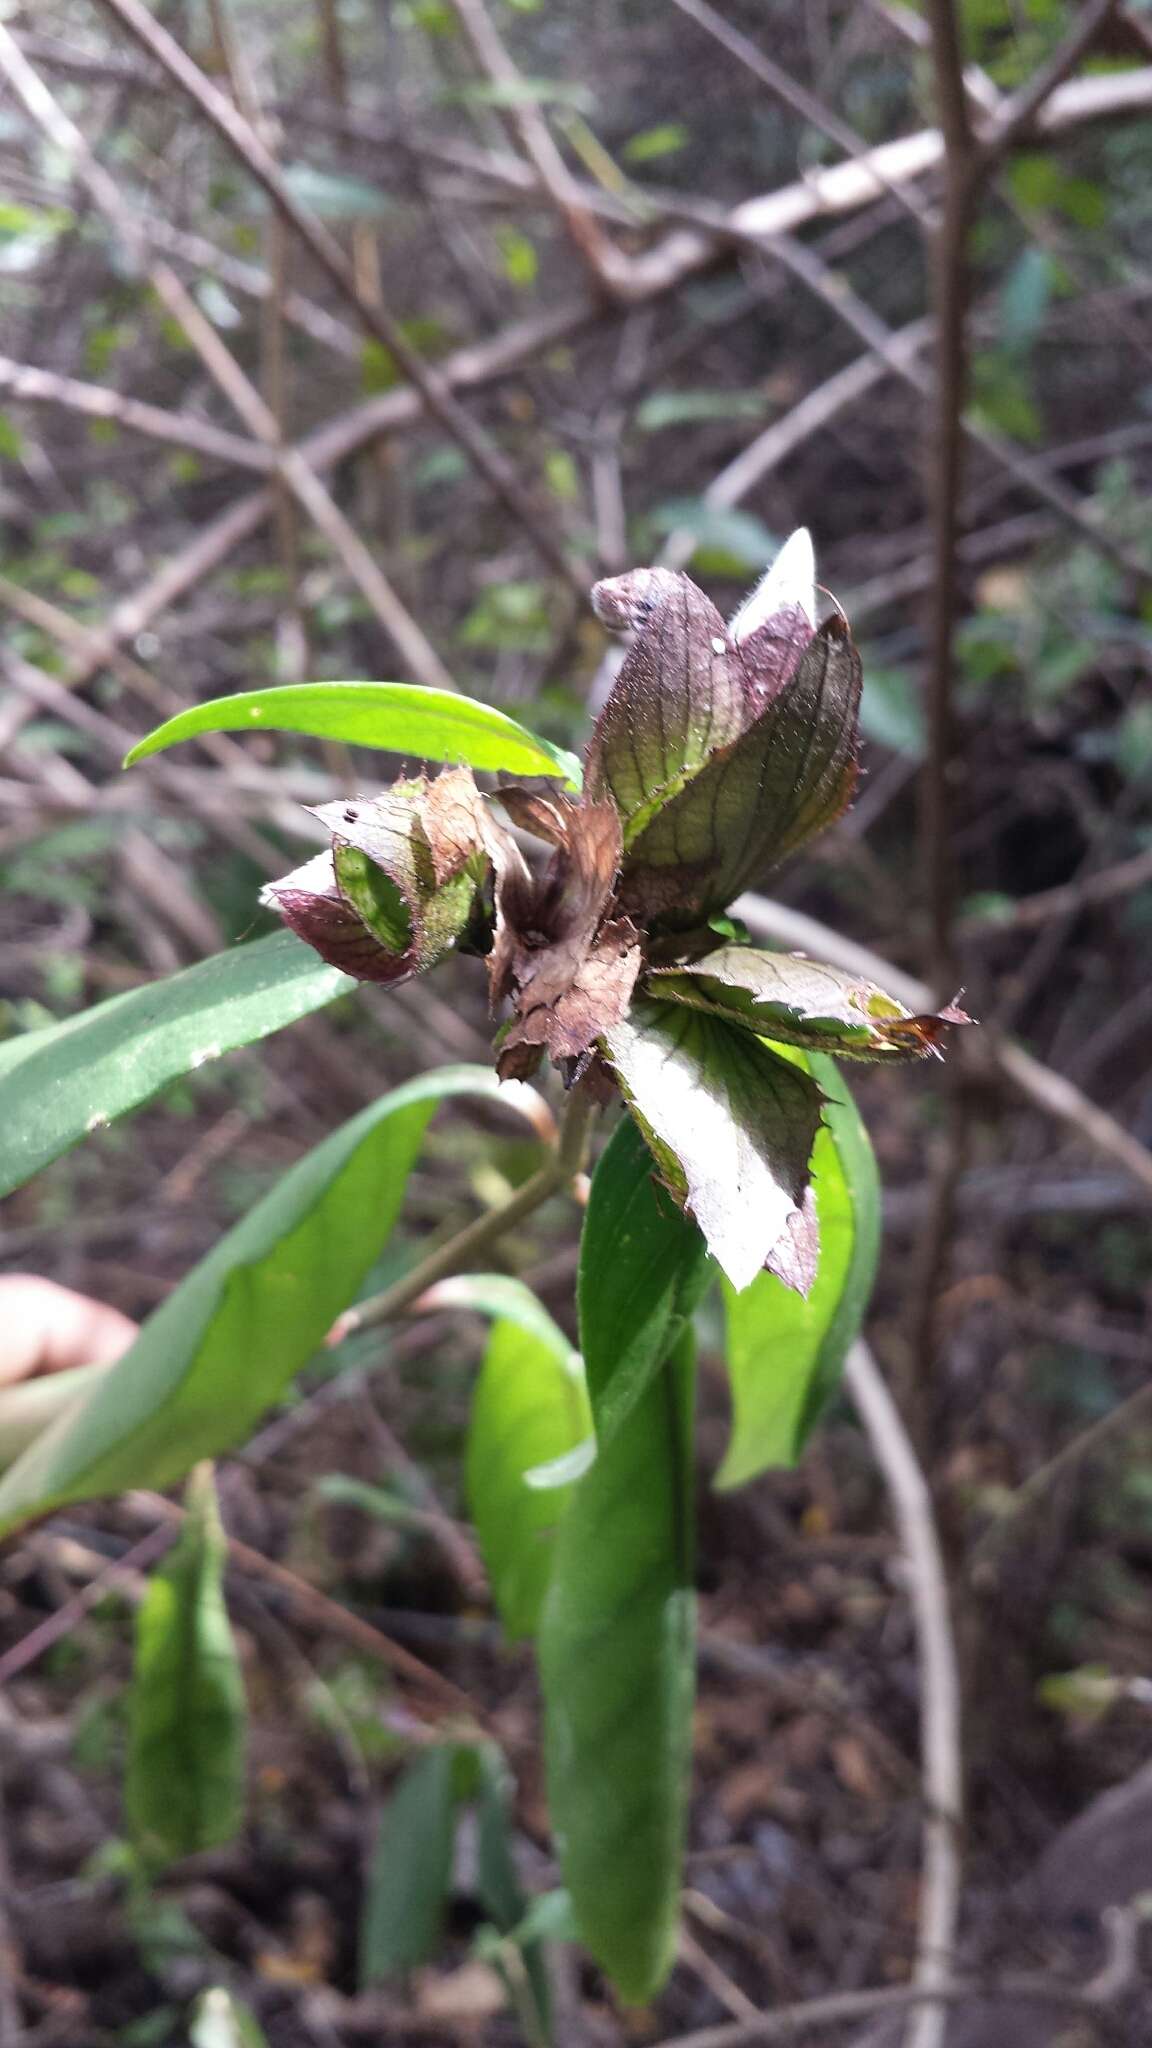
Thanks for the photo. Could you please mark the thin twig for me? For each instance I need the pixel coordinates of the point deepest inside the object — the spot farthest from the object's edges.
(1015, 116)
(179, 430)
(950, 287)
(807, 417)
(1069, 897)
(940, 1751)
(834, 292)
(793, 94)
(325, 1613)
(322, 450)
(528, 124)
(224, 369)
(475, 1241)
(1127, 1416)
(841, 2008)
(675, 259)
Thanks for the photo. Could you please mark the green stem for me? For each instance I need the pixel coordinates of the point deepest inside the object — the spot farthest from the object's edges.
(461, 1252)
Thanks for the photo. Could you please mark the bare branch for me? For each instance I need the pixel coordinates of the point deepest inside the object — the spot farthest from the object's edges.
(1113, 1428)
(945, 461)
(807, 417)
(230, 124)
(1017, 115)
(948, 64)
(527, 123)
(47, 387)
(394, 616)
(940, 1751)
(793, 94)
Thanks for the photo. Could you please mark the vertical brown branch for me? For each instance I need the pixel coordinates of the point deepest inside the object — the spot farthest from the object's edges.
(950, 288)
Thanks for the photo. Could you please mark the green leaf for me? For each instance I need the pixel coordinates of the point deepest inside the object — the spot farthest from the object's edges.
(529, 1408)
(59, 1084)
(617, 1668)
(684, 408)
(731, 1126)
(184, 1787)
(784, 1354)
(642, 1271)
(1025, 296)
(411, 1868)
(727, 541)
(523, 92)
(242, 1324)
(890, 709)
(652, 143)
(521, 262)
(336, 197)
(786, 996)
(427, 725)
(498, 1886)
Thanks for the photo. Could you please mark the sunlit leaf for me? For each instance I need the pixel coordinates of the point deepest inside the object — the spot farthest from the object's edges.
(653, 143)
(218, 2020)
(642, 1270)
(617, 1667)
(232, 1336)
(663, 409)
(425, 725)
(61, 1083)
(784, 1353)
(529, 1409)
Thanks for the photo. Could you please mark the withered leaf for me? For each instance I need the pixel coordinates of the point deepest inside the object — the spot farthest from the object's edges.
(803, 1002)
(399, 887)
(569, 966)
(789, 774)
(731, 1126)
(313, 905)
(677, 698)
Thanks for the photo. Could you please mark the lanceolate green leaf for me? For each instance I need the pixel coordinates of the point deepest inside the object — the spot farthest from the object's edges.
(235, 1332)
(424, 725)
(643, 1268)
(529, 1408)
(59, 1084)
(617, 1662)
(784, 1353)
(411, 1868)
(186, 1716)
(29, 1406)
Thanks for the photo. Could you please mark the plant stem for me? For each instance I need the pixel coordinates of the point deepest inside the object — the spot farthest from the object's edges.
(476, 1239)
